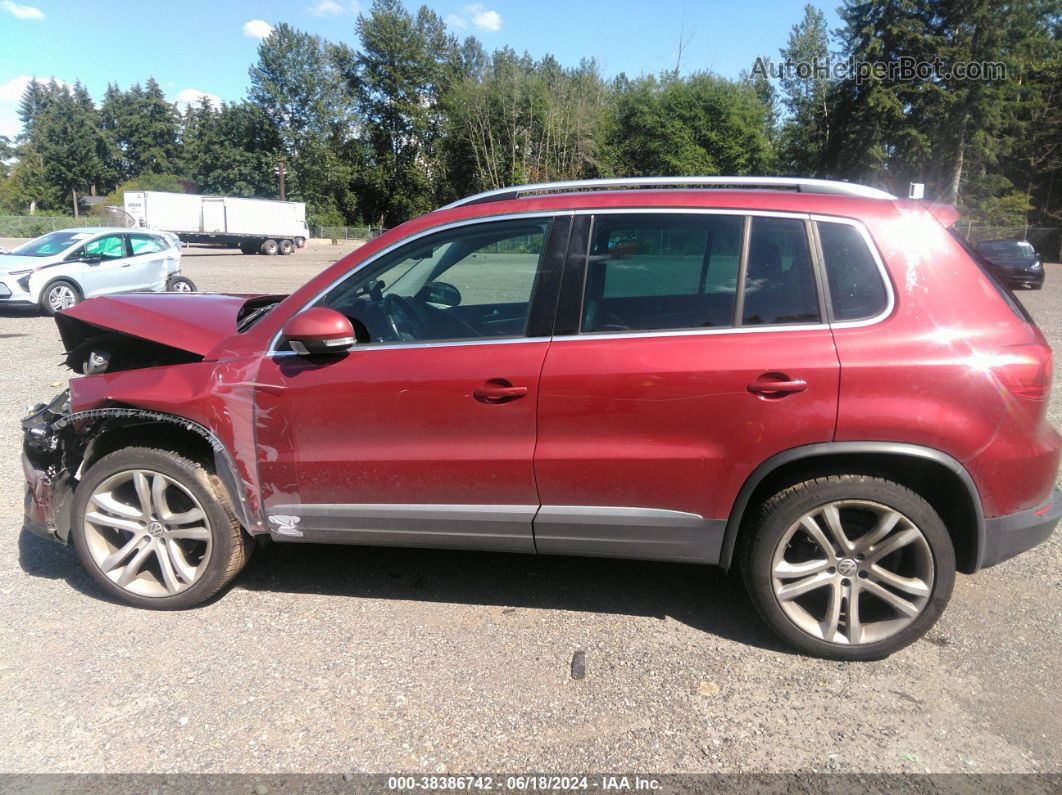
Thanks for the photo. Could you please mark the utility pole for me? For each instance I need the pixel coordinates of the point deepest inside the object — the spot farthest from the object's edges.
(280, 173)
(73, 193)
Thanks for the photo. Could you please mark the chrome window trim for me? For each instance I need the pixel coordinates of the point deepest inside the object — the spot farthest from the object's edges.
(890, 293)
(883, 272)
(272, 351)
(623, 335)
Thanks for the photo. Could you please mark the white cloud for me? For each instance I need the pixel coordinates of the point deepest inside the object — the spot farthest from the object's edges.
(21, 12)
(257, 28)
(12, 90)
(483, 18)
(191, 96)
(327, 8)
(477, 14)
(10, 96)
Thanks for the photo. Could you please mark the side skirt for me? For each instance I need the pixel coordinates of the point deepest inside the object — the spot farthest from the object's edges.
(621, 532)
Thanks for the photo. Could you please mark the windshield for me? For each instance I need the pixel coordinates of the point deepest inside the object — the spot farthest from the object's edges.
(51, 244)
(1007, 248)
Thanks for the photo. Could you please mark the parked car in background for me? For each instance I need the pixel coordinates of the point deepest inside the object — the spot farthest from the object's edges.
(779, 375)
(60, 269)
(1016, 262)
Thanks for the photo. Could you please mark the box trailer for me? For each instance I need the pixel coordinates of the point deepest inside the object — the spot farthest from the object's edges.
(255, 226)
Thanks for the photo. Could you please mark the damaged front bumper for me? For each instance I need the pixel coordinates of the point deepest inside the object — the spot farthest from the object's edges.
(49, 482)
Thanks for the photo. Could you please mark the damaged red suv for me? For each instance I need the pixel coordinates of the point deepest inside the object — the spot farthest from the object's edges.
(812, 381)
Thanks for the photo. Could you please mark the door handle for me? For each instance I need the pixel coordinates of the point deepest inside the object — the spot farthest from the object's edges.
(776, 385)
(498, 390)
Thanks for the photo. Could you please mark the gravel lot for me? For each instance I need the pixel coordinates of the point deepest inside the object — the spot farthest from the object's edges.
(333, 659)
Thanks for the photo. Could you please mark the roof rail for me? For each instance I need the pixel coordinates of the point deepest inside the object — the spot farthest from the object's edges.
(799, 184)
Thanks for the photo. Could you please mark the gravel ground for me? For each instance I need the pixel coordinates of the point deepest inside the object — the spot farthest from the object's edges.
(332, 659)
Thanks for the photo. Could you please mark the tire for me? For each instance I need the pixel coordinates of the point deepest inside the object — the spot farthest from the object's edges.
(180, 284)
(898, 596)
(205, 552)
(300, 242)
(286, 247)
(59, 295)
(270, 247)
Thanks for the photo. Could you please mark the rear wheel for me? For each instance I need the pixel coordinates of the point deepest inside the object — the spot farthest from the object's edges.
(270, 247)
(59, 295)
(180, 284)
(848, 566)
(286, 247)
(154, 529)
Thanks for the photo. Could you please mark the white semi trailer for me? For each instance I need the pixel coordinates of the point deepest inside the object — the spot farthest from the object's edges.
(255, 226)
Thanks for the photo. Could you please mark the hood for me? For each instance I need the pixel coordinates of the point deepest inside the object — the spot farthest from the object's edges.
(190, 322)
(13, 262)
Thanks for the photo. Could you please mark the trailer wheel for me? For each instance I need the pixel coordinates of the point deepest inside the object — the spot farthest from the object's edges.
(286, 247)
(270, 247)
(300, 242)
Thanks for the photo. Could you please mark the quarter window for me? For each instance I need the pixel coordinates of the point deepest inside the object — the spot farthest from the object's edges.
(780, 279)
(472, 282)
(856, 289)
(650, 272)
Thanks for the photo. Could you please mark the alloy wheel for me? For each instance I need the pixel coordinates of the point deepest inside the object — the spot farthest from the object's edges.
(852, 572)
(61, 297)
(147, 533)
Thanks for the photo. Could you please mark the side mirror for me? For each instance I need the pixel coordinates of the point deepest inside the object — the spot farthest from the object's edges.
(319, 331)
(440, 293)
(92, 259)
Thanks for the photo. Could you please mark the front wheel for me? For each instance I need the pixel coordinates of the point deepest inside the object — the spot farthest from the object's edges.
(59, 295)
(849, 567)
(154, 529)
(180, 284)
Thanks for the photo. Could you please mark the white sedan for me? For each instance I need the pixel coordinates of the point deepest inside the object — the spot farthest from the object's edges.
(60, 269)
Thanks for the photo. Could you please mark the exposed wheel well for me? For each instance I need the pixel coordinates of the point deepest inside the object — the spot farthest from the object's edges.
(68, 280)
(938, 484)
(174, 438)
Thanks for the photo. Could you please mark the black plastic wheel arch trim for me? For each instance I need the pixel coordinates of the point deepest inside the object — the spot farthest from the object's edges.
(824, 449)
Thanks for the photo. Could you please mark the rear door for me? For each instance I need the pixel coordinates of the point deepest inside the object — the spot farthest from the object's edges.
(689, 348)
(150, 260)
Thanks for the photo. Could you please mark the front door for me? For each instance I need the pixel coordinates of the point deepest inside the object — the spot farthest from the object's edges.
(424, 433)
(696, 352)
(107, 267)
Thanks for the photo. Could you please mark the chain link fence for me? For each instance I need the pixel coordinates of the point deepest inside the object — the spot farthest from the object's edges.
(1047, 240)
(37, 225)
(346, 232)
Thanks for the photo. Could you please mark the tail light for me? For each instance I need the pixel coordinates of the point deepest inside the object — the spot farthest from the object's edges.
(1025, 370)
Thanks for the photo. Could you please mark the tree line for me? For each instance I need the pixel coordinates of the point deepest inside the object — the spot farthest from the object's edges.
(410, 117)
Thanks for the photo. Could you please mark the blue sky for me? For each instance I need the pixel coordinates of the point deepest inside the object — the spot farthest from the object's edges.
(193, 46)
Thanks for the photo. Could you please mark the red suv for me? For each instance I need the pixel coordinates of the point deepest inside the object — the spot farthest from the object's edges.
(813, 381)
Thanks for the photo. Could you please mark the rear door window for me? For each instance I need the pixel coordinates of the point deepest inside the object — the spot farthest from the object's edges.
(145, 244)
(655, 272)
(856, 288)
(780, 279)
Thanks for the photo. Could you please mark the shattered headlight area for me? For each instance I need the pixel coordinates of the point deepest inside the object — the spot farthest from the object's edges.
(48, 445)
